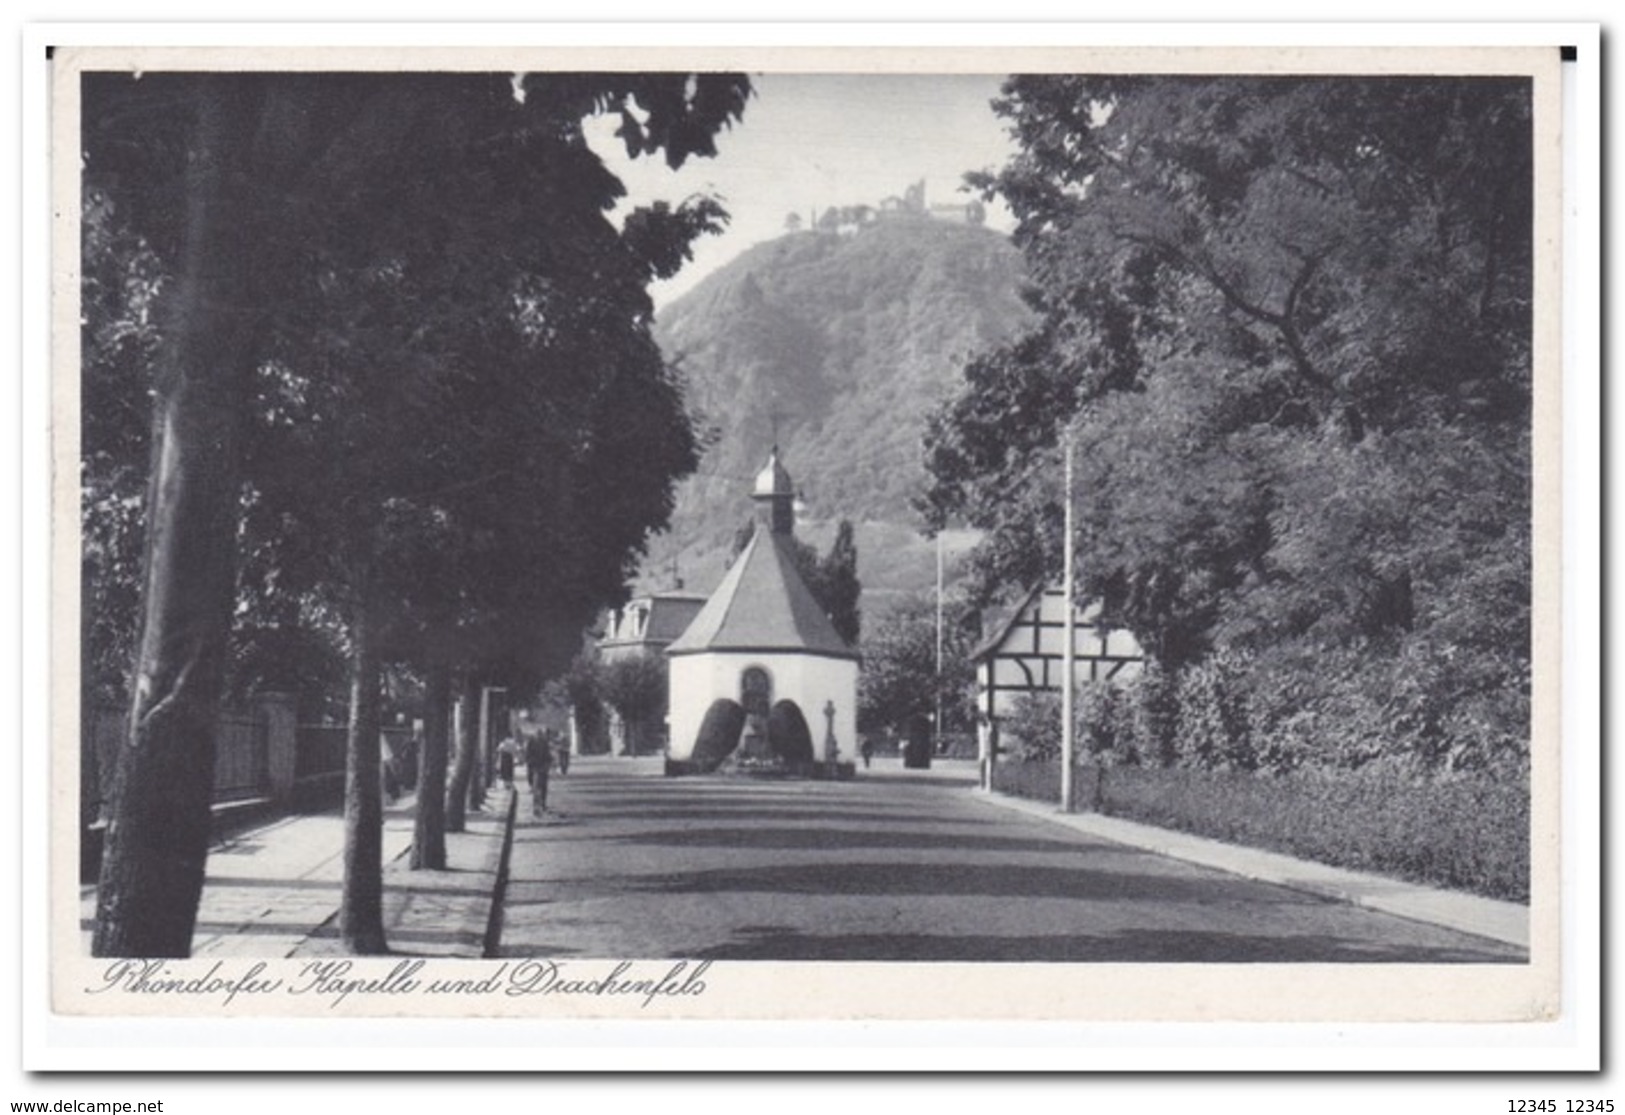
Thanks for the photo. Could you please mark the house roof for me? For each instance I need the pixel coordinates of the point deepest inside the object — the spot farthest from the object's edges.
(1001, 630)
(667, 614)
(1086, 613)
(670, 615)
(763, 605)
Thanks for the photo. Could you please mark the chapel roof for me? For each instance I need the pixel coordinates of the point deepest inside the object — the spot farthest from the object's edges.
(763, 605)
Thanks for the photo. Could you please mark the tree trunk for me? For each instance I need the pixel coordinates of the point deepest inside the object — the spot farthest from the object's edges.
(470, 727)
(159, 823)
(361, 916)
(457, 793)
(432, 821)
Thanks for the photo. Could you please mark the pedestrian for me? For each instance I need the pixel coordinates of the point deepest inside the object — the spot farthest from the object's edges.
(867, 750)
(538, 766)
(508, 752)
(561, 749)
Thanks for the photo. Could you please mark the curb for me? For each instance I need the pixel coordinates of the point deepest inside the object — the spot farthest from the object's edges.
(491, 939)
(1507, 922)
(476, 916)
(417, 901)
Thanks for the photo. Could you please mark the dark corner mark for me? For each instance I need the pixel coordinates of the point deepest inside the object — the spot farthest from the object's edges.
(1569, 53)
(50, 53)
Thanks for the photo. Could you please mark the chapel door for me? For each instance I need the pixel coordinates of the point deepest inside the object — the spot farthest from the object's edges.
(756, 693)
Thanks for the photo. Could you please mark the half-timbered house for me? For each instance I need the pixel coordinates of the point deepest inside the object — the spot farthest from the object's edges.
(1025, 653)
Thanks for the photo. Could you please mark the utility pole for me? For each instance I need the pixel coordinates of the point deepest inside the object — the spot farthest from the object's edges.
(487, 752)
(1068, 650)
(937, 717)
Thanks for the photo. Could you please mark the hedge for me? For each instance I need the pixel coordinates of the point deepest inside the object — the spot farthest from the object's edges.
(1468, 834)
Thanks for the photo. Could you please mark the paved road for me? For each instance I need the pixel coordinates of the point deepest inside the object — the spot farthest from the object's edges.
(896, 866)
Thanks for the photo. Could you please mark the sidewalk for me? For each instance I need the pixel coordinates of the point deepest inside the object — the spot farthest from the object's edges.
(273, 891)
(1507, 922)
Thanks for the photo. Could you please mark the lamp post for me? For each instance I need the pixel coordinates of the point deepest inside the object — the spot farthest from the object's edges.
(486, 752)
(1068, 650)
(936, 743)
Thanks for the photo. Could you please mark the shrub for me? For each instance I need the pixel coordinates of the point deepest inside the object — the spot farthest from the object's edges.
(1032, 732)
(1095, 717)
(1152, 714)
(1213, 727)
(1041, 781)
(1103, 718)
(719, 734)
(787, 734)
(1035, 781)
(1467, 833)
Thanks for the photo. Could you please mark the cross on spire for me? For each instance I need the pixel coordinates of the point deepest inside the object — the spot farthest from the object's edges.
(774, 414)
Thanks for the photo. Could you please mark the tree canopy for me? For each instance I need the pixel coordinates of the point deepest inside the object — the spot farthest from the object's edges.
(899, 681)
(402, 370)
(1287, 322)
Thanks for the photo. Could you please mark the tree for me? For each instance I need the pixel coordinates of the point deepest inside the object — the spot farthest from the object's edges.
(1276, 314)
(587, 710)
(121, 280)
(635, 687)
(839, 588)
(464, 789)
(225, 256)
(468, 485)
(899, 681)
(261, 188)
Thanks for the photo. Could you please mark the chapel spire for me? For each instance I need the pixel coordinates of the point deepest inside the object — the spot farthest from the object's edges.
(775, 496)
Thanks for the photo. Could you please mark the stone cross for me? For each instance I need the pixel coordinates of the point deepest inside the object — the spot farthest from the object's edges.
(831, 748)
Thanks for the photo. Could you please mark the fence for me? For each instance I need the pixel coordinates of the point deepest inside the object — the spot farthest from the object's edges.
(242, 764)
(320, 750)
(242, 761)
(259, 755)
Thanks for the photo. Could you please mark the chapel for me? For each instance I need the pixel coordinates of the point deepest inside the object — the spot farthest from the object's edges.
(761, 673)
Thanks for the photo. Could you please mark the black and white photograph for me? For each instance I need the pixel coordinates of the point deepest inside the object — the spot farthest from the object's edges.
(997, 534)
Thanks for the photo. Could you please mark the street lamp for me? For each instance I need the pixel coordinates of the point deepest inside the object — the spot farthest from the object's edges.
(936, 742)
(1068, 650)
(487, 755)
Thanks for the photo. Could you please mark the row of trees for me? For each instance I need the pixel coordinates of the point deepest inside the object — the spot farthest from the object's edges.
(1287, 322)
(369, 362)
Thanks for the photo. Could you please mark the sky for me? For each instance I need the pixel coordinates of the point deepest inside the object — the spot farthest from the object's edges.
(809, 141)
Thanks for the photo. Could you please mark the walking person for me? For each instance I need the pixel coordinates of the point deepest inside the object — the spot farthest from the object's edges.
(561, 749)
(508, 752)
(538, 767)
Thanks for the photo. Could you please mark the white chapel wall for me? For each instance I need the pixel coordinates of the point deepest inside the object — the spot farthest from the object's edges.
(809, 680)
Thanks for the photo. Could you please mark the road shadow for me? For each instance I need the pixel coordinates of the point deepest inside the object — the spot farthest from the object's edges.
(666, 813)
(816, 838)
(968, 880)
(1135, 947)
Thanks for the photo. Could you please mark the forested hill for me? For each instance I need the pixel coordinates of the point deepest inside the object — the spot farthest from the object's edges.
(838, 345)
